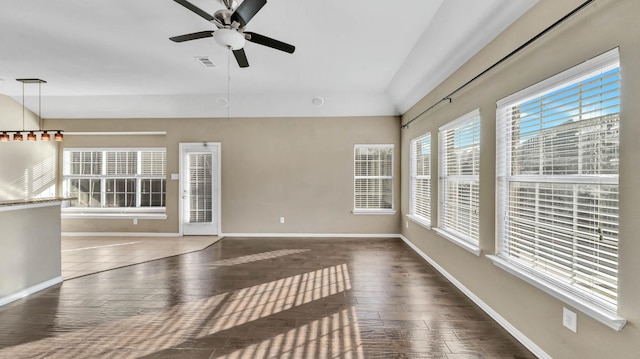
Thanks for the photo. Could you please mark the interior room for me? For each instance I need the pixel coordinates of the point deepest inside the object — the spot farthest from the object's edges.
(230, 179)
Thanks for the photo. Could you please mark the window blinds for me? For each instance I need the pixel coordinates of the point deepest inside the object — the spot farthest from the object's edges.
(420, 195)
(558, 151)
(373, 177)
(121, 163)
(82, 162)
(153, 163)
(121, 178)
(459, 177)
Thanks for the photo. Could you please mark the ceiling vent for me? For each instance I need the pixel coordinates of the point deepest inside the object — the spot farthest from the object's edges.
(206, 61)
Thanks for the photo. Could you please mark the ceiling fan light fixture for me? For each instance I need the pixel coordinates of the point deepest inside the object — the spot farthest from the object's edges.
(229, 38)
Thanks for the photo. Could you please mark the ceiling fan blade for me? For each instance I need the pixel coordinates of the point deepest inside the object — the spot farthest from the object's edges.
(241, 58)
(192, 36)
(198, 11)
(247, 10)
(267, 41)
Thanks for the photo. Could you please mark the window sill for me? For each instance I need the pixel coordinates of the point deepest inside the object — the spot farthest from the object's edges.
(106, 215)
(378, 212)
(608, 318)
(459, 241)
(419, 221)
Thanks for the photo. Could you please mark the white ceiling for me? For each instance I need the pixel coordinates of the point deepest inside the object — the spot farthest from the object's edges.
(113, 58)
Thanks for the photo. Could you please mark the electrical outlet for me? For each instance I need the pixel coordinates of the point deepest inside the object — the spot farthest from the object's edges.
(406, 224)
(281, 220)
(570, 320)
(135, 221)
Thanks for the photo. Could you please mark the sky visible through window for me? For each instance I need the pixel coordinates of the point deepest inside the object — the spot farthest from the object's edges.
(425, 146)
(596, 96)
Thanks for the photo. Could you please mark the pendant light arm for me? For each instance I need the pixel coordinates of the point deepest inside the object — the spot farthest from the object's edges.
(5, 135)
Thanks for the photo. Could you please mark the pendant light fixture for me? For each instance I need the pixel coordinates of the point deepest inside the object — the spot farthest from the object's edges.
(5, 136)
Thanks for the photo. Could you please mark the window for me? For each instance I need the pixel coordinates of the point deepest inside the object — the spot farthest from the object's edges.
(373, 180)
(558, 150)
(459, 180)
(115, 178)
(420, 188)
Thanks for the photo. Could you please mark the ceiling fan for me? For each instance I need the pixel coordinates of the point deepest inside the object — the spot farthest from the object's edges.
(230, 24)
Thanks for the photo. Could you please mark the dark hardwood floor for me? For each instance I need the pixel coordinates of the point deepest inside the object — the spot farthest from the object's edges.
(259, 298)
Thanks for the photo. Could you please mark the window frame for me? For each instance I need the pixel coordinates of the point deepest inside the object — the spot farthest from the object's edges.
(139, 211)
(456, 237)
(419, 218)
(374, 211)
(588, 304)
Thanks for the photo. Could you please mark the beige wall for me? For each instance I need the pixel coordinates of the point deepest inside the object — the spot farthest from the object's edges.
(297, 168)
(27, 169)
(600, 27)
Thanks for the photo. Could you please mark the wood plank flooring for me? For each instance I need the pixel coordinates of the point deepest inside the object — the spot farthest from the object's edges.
(259, 298)
(89, 255)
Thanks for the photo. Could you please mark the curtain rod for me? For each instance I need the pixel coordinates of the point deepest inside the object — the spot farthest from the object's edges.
(499, 62)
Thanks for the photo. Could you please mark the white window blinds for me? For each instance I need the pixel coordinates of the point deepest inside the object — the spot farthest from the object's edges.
(153, 163)
(82, 163)
(420, 189)
(459, 177)
(558, 150)
(373, 177)
(122, 163)
(115, 178)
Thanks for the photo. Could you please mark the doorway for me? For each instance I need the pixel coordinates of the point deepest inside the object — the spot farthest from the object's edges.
(200, 188)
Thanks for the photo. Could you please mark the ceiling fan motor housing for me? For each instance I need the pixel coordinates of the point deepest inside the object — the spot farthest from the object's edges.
(223, 16)
(229, 38)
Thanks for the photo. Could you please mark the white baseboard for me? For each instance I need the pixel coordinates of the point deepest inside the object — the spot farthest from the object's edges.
(118, 234)
(33, 289)
(310, 235)
(535, 349)
(250, 235)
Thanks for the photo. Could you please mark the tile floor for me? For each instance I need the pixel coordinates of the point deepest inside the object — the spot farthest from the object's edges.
(259, 298)
(87, 255)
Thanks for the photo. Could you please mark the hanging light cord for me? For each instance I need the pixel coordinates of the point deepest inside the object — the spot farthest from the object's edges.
(23, 107)
(229, 84)
(39, 106)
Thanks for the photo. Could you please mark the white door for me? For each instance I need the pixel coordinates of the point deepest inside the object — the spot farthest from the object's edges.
(199, 188)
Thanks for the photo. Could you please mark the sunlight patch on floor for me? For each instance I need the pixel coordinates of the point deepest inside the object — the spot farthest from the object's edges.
(153, 332)
(257, 257)
(334, 336)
